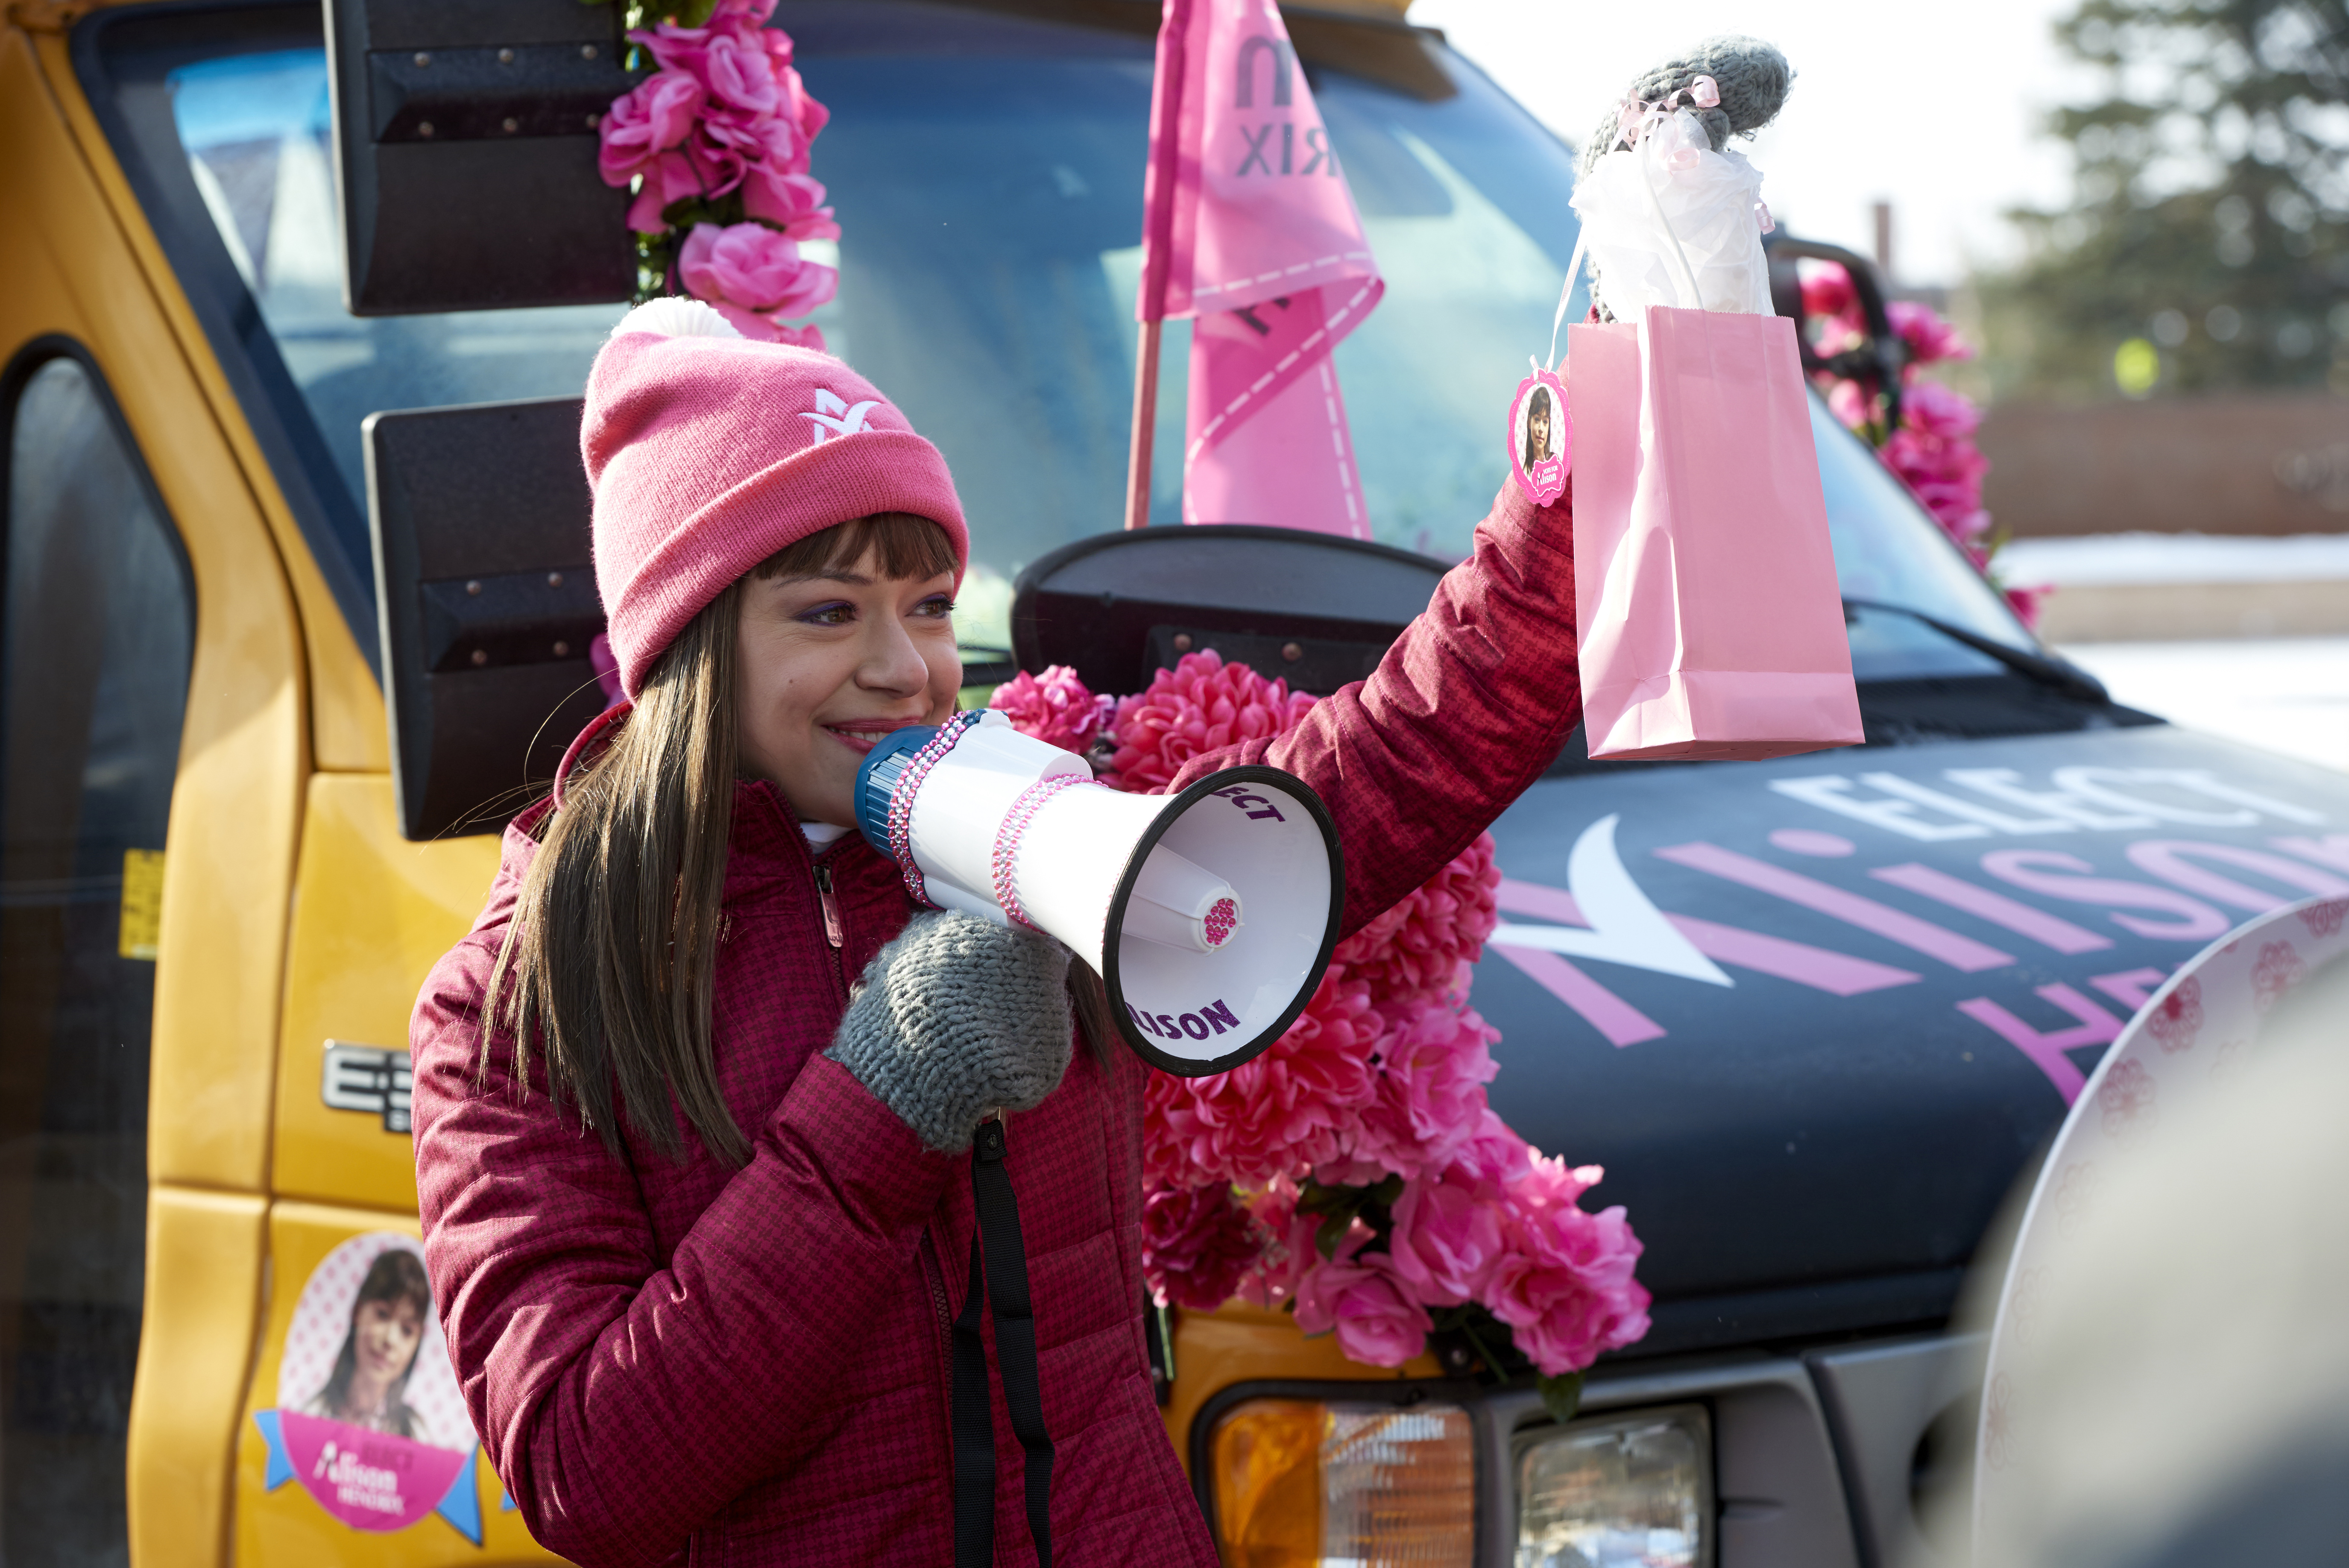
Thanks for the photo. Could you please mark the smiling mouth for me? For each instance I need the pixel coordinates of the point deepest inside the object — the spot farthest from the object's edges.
(865, 740)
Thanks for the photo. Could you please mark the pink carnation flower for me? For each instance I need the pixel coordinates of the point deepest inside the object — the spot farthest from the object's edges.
(752, 273)
(1827, 289)
(1291, 1108)
(1367, 1304)
(1054, 708)
(1418, 946)
(1929, 339)
(1197, 1246)
(1563, 1283)
(1199, 706)
(1493, 1157)
(1933, 453)
(1434, 1065)
(1446, 1240)
(2026, 603)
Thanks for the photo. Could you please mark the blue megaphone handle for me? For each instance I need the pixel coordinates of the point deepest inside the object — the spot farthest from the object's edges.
(876, 781)
(877, 774)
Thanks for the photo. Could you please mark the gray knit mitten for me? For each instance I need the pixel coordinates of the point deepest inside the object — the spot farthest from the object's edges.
(958, 1017)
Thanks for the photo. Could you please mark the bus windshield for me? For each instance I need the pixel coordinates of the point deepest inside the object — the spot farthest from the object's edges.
(987, 169)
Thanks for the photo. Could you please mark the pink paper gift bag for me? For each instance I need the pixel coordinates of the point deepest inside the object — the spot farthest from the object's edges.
(1705, 596)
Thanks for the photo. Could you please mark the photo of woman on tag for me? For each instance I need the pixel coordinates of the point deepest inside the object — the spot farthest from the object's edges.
(369, 1385)
(1540, 437)
(1537, 444)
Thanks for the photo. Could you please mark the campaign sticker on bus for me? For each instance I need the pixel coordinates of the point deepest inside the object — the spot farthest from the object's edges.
(1541, 437)
(368, 1417)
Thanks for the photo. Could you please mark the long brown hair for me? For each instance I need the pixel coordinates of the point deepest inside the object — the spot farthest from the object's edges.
(611, 956)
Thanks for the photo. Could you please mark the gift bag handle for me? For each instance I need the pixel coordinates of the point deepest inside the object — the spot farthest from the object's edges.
(1639, 134)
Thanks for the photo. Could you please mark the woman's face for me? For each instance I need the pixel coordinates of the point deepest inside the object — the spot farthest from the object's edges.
(1537, 427)
(827, 665)
(385, 1336)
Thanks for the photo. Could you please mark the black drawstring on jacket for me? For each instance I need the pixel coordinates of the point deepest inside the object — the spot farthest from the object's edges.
(1002, 1280)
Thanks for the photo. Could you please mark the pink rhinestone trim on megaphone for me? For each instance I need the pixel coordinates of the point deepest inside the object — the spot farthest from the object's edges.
(901, 802)
(1008, 837)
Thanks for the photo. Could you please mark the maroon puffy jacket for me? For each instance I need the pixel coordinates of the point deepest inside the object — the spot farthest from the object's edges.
(750, 1365)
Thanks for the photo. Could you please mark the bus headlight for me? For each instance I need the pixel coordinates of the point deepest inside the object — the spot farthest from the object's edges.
(1626, 1492)
(1301, 1482)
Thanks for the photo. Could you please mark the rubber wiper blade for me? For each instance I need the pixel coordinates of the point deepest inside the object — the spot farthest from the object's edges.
(2061, 674)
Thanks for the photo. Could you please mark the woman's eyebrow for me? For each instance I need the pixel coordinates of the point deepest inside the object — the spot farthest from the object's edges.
(833, 574)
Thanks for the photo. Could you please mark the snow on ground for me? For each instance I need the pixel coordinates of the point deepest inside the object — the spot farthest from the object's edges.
(2100, 560)
(2289, 695)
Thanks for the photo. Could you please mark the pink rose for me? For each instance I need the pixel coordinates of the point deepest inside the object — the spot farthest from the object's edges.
(653, 117)
(668, 178)
(1054, 708)
(1493, 1157)
(1929, 339)
(1563, 1283)
(1827, 289)
(675, 49)
(750, 269)
(1434, 1066)
(1851, 407)
(792, 202)
(1360, 1298)
(812, 116)
(738, 74)
(1197, 1246)
(1446, 1241)
(1289, 1248)
(1936, 411)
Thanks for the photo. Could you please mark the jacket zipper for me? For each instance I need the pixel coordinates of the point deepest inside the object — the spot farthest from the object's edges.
(832, 927)
(934, 1272)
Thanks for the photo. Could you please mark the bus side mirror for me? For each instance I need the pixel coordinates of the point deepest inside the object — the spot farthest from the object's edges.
(485, 585)
(465, 152)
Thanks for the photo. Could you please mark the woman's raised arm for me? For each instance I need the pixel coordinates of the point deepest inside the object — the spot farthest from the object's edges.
(1467, 708)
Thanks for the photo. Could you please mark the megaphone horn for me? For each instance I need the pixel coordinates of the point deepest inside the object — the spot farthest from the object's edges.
(1208, 914)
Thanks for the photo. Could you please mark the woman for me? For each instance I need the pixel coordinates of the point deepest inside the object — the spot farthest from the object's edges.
(368, 1386)
(1536, 428)
(698, 1222)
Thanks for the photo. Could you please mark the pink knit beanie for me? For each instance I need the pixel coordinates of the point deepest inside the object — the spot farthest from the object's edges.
(708, 452)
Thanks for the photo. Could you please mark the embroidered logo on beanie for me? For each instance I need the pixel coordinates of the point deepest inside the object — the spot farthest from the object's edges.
(832, 415)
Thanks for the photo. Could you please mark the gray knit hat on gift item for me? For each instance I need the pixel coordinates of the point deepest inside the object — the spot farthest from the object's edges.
(1753, 77)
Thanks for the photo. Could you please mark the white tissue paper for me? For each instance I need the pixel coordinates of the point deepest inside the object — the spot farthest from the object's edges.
(1673, 187)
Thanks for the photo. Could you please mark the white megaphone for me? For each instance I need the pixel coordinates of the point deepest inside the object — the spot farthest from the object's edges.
(1209, 915)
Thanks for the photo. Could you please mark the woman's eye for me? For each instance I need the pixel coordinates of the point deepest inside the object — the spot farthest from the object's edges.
(937, 605)
(829, 615)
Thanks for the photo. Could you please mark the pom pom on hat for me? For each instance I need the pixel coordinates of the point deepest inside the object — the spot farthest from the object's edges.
(707, 452)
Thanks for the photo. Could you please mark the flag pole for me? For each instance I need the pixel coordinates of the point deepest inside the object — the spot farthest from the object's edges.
(1157, 240)
(1146, 426)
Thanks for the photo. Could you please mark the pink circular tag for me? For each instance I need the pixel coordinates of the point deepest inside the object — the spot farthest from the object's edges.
(1541, 437)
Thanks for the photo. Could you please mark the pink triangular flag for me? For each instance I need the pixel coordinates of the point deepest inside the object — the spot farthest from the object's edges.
(1249, 228)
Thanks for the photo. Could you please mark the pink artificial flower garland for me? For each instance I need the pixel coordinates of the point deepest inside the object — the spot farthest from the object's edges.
(1354, 1173)
(1932, 449)
(715, 144)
